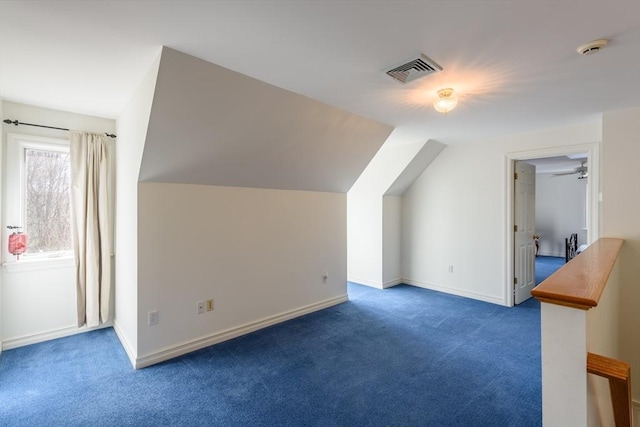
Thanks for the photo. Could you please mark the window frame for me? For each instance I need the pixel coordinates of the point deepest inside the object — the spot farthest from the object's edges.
(14, 202)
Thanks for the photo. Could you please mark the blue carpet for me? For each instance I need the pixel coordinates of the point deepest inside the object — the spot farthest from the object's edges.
(400, 357)
(546, 266)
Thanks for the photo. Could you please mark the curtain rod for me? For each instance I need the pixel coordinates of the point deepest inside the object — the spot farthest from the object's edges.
(15, 122)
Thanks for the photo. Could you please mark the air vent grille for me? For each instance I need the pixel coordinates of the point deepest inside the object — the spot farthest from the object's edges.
(413, 69)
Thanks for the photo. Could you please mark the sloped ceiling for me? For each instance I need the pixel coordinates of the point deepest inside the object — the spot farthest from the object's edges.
(210, 125)
(414, 169)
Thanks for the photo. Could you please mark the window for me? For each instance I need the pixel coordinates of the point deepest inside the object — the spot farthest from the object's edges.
(38, 195)
(47, 200)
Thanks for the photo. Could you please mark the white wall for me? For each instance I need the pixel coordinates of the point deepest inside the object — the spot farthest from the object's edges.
(560, 211)
(132, 131)
(603, 339)
(391, 240)
(365, 211)
(1, 222)
(454, 214)
(364, 236)
(37, 303)
(38, 298)
(261, 254)
(564, 360)
(366, 218)
(621, 218)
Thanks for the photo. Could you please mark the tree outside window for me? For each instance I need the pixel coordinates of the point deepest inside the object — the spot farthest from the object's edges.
(47, 201)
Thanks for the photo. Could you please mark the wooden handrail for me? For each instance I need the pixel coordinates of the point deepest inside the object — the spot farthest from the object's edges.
(618, 373)
(580, 282)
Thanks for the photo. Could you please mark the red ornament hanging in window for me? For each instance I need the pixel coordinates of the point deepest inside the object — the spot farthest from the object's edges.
(17, 241)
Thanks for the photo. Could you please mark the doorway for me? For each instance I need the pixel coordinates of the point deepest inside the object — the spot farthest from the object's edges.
(554, 245)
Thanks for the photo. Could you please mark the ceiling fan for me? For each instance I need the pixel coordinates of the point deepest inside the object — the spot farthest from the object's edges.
(582, 171)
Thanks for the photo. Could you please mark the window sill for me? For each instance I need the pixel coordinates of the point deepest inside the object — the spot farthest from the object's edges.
(39, 264)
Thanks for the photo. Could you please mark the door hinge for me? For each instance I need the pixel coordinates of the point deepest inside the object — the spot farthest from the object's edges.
(515, 175)
(515, 281)
(515, 228)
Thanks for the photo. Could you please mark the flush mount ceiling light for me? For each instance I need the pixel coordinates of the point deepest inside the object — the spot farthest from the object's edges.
(446, 101)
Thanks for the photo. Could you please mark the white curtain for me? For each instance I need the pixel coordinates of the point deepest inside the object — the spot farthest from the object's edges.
(90, 186)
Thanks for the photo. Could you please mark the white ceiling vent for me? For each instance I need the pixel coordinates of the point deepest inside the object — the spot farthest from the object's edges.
(413, 69)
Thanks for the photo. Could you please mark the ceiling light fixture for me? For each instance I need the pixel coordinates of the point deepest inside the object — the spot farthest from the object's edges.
(446, 101)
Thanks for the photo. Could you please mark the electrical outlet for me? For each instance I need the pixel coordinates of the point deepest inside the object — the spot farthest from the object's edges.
(451, 269)
(154, 317)
(325, 277)
(201, 307)
(209, 304)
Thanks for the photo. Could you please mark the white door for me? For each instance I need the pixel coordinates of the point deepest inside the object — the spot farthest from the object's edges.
(524, 228)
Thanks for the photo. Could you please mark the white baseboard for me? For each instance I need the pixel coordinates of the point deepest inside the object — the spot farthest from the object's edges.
(366, 282)
(196, 344)
(49, 335)
(453, 291)
(392, 283)
(125, 343)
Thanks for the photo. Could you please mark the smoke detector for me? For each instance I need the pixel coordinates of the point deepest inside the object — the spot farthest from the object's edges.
(413, 69)
(592, 47)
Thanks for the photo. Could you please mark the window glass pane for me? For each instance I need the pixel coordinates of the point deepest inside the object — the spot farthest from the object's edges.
(47, 200)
